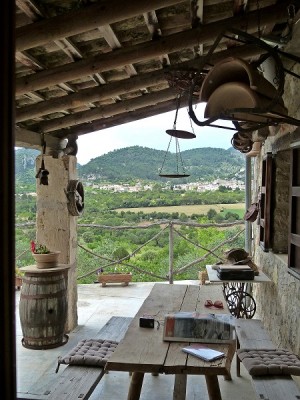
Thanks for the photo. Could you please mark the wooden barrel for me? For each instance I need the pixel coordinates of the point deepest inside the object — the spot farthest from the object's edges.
(43, 309)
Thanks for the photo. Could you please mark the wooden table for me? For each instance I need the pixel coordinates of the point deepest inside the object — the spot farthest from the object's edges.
(143, 349)
(240, 303)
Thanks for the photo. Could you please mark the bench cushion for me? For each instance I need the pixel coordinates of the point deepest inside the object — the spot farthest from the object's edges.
(92, 352)
(269, 362)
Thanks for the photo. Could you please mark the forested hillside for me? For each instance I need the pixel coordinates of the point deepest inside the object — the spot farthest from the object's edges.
(142, 163)
(147, 238)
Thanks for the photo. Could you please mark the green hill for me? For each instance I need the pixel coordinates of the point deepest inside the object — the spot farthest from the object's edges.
(141, 163)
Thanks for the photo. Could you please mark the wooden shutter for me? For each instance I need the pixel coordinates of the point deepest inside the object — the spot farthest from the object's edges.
(266, 202)
(294, 215)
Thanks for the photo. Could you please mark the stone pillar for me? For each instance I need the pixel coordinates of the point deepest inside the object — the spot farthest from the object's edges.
(55, 226)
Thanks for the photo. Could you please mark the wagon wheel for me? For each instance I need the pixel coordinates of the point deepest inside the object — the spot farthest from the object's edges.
(75, 195)
(230, 287)
(241, 304)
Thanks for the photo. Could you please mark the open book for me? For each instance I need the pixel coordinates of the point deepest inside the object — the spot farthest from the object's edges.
(205, 353)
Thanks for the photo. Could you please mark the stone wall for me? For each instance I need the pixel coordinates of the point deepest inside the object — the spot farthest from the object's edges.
(278, 302)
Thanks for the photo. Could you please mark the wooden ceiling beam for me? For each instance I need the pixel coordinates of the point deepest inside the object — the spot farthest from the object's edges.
(153, 27)
(145, 51)
(113, 89)
(91, 17)
(26, 59)
(123, 118)
(29, 8)
(32, 139)
(35, 13)
(107, 111)
(114, 43)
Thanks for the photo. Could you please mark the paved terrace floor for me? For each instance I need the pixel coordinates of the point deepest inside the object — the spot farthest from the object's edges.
(96, 304)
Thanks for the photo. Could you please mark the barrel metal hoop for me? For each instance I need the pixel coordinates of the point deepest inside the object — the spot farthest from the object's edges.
(60, 293)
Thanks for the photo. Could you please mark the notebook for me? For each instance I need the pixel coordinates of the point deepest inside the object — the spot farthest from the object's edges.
(205, 353)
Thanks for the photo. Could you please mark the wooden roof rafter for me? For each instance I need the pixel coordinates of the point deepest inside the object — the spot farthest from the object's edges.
(82, 67)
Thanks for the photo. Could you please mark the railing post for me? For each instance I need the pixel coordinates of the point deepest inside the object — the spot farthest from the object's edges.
(171, 252)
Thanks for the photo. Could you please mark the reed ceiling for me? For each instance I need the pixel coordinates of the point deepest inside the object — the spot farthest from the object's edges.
(87, 65)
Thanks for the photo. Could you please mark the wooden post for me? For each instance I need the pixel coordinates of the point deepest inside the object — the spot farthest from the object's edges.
(7, 211)
(171, 252)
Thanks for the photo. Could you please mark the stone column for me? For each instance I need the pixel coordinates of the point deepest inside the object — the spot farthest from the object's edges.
(55, 226)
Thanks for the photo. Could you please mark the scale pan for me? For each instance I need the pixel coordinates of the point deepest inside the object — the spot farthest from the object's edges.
(181, 134)
(174, 175)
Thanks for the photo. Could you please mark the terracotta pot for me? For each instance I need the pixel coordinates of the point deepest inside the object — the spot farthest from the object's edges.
(49, 260)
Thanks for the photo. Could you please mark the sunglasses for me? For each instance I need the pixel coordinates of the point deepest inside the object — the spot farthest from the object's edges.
(217, 304)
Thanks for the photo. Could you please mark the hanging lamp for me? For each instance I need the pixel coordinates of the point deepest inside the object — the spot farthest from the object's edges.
(175, 133)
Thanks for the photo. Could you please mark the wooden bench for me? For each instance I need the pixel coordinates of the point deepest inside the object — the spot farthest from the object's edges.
(78, 382)
(252, 335)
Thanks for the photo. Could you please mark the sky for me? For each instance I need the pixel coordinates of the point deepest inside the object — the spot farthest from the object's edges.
(151, 132)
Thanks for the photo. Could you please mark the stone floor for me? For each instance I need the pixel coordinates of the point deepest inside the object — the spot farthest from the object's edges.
(96, 304)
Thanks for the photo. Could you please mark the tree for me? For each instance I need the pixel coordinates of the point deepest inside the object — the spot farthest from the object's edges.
(211, 213)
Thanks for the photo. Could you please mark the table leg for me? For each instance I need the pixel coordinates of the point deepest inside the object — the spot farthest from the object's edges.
(227, 377)
(213, 388)
(179, 387)
(135, 386)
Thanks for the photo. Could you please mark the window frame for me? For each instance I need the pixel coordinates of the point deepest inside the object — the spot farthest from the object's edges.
(266, 202)
(294, 212)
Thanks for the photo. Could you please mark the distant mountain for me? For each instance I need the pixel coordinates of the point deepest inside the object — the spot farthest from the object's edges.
(142, 163)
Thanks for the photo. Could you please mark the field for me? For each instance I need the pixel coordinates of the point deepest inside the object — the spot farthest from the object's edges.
(238, 208)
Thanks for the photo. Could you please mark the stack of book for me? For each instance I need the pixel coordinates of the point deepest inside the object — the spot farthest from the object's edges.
(197, 327)
(235, 272)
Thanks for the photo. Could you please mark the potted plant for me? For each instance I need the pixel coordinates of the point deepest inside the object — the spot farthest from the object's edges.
(44, 257)
(115, 277)
(120, 274)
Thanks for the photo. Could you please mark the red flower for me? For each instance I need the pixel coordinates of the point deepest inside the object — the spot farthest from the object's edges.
(32, 246)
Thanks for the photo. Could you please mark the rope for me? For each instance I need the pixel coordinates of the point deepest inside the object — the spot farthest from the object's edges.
(150, 240)
(165, 156)
(197, 245)
(23, 252)
(164, 224)
(207, 254)
(113, 263)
